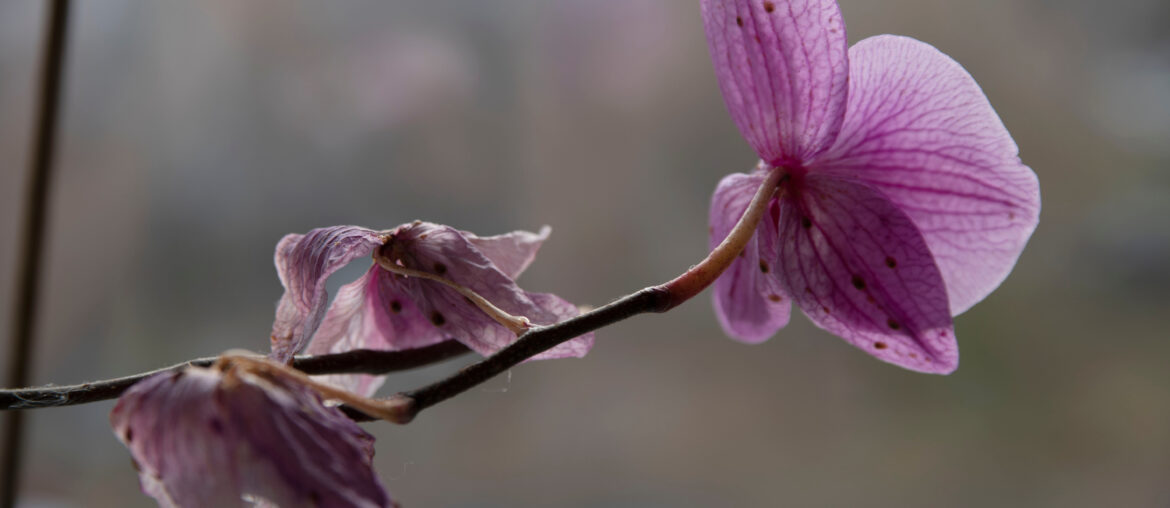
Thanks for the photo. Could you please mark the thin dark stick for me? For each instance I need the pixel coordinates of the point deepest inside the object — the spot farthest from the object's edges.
(652, 299)
(539, 340)
(358, 361)
(32, 237)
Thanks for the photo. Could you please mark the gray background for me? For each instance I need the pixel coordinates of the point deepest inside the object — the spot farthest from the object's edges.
(196, 134)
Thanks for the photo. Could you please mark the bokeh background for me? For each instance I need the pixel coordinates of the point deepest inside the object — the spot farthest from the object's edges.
(196, 134)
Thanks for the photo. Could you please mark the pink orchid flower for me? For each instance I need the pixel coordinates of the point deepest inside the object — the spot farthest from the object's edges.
(391, 311)
(904, 201)
(212, 437)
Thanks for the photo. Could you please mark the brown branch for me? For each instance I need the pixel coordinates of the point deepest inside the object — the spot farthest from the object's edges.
(358, 361)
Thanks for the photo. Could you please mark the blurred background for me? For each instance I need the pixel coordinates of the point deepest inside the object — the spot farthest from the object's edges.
(196, 134)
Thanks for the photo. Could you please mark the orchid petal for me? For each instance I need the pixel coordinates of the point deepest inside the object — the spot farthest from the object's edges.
(303, 263)
(750, 304)
(859, 268)
(783, 70)
(447, 252)
(200, 437)
(920, 130)
(510, 252)
(371, 313)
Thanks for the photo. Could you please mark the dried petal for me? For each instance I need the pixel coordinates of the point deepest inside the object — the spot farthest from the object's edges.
(371, 313)
(920, 130)
(445, 251)
(303, 263)
(202, 437)
(749, 302)
(783, 70)
(510, 252)
(859, 268)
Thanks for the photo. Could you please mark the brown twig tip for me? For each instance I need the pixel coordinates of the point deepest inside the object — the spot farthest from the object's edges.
(401, 407)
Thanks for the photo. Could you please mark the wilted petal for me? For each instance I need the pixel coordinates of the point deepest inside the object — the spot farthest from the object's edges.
(446, 252)
(919, 129)
(303, 262)
(749, 302)
(859, 268)
(200, 437)
(783, 70)
(371, 313)
(510, 252)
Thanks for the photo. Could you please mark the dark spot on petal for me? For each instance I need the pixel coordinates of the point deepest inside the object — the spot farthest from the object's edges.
(775, 297)
(1011, 215)
(741, 254)
(858, 282)
(440, 268)
(806, 222)
(739, 21)
(758, 41)
(315, 498)
(880, 345)
(764, 266)
(913, 355)
(894, 325)
(826, 309)
(808, 290)
(216, 425)
(135, 464)
(437, 318)
(423, 236)
(769, 6)
(891, 262)
(129, 435)
(396, 306)
(176, 376)
(869, 298)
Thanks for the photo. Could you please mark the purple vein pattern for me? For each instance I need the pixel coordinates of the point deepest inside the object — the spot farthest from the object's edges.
(905, 201)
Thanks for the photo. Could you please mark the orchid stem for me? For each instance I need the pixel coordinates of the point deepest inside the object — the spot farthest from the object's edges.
(358, 361)
(534, 339)
(656, 299)
(517, 324)
(686, 286)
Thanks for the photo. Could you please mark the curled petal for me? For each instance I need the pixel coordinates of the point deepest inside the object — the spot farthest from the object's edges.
(510, 252)
(303, 263)
(749, 302)
(202, 437)
(859, 268)
(919, 129)
(446, 252)
(371, 313)
(783, 68)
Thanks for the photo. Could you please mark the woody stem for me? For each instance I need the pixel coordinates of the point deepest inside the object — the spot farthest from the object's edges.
(657, 299)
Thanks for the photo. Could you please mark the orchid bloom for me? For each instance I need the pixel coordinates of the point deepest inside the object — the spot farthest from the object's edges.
(226, 437)
(903, 202)
(387, 310)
